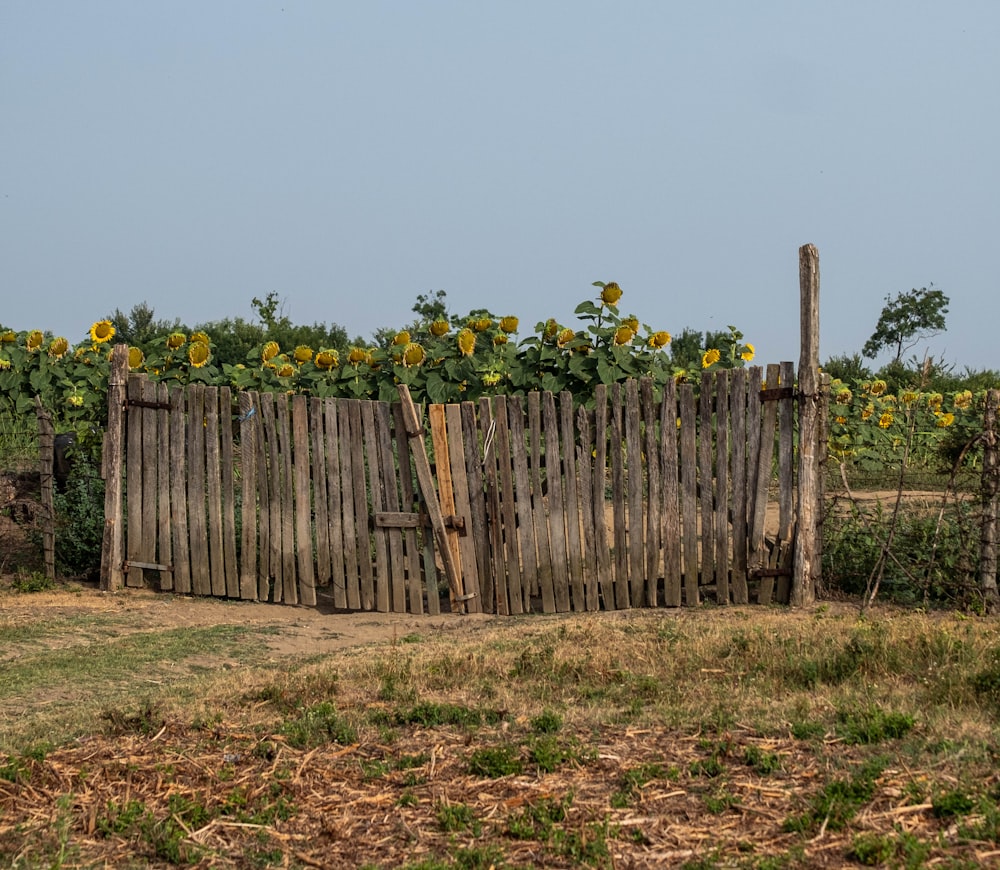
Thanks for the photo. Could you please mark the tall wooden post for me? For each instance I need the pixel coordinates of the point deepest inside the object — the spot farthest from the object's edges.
(113, 545)
(806, 568)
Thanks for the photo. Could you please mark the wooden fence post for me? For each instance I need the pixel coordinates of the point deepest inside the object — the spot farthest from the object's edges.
(113, 545)
(46, 441)
(990, 490)
(806, 564)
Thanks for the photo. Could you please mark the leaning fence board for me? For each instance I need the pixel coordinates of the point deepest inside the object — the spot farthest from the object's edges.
(689, 493)
(213, 487)
(463, 509)
(248, 421)
(571, 501)
(618, 496)
(738, 420)
(556, 512)
(306, 587)
(538, 516)
(634, 489)
(649, 416)
(670, 518)
(507, 516)
(721, 520)
(201, 580)
(353, 554)
(445, 491)
(605, 574)
(164, 555)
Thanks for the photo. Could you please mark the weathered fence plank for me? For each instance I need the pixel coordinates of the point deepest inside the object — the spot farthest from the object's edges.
(654, 542)
(618, 498)
(605, 573)
(670, 517)
(302, 465)
(706, 479)
(538, 511)
(201, 580)
(738, 458)
(249, 422)
(721, 519)
(522, 488)
(689, 493)
(463, 509)
(634, 488)
(571, 500)
(556, 513)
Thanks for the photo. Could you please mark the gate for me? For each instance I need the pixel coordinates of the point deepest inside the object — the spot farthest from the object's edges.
(510, 505)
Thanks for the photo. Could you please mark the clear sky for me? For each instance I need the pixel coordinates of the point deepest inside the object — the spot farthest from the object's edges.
(351, 155)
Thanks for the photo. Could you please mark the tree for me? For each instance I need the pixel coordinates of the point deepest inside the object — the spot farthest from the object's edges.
(140, 325)
(906, 320)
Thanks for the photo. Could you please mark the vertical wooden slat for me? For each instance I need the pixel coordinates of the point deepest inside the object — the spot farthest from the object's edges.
(265, 485)
(269, 476)
(618, 498)
(738, 418)
(758, 550)
(289, 586)
(556, 512)
(303, 500)
(150, 474)
(336, 500)
(213, 486)
(477, 503)
(653, 544)
(408, 501)
(446, 492)
(374, 588)
(321, 503)
(722, 487)
(201, 579)
(353, 555)
(706, 479)
(786, 483)
(585, 464)
(134, 482)
(165, 554)
(522, 489)
(634, 469)
(113, 539)
(463, 509)
(538, 511)
(689, 493)
(249, 423)
(228, 493)
(512, 559)
(571, 501)
(390, 498)
(178, 492)
(605, 574)
(670, 517)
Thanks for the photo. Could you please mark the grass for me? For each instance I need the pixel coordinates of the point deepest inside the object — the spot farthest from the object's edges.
(585, 740)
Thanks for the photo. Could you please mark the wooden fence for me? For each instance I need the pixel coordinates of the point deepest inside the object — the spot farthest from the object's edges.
(641, 500)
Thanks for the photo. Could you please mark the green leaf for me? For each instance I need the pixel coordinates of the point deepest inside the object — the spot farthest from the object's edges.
(437, 390)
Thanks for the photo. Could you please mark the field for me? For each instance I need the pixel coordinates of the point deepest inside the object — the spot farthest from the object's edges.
(149, 730)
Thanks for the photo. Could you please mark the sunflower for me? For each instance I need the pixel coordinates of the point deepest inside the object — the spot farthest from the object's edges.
(401, 339)
(269, 351)
(945, 420)
(8, 337)
(198, 353)
(326, 360)
(466, 342)
(286, 370)
(878, 387)
(4, 364)
(710, 357)
(302, 354)
(749, 353)
(844, 397)
(565, 336)
(35, 339)
(200, 337)
(491, 379)
(58, 348)
(357, 356)
(551, 329)
(176, 340)
(659, 339)
(934, 401)
(135, 357)
(623, 335)
(481, 325)
(632, 322)
(500, 339)
(439, 328)
(868, 411)
(102, 331)
(611, 293)
(909, 397)
(963, 400)
(885, 421)
(414, 355)
(76, 400)
(508, 324)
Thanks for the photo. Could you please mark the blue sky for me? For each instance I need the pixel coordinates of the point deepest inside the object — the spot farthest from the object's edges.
(349, 156)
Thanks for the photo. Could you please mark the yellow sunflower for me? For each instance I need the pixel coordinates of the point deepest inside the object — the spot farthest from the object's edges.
(963, 400)
(482, 324)
(945, 420)
(710, 357)
(269, 351)
(414, 355)
(401, 339)
(200, 337)
(611, 293)
(8, 337)
(302, 354)
(551, 328)
(623, 335)
(35, 339)
(844, 397)
(135, 357)
(102, 331)
(286, 370)
(885, 421)
(508, 324)
(632, 322)
(565, 336)
(439, 328)
(878, 387)
(357, 356)
(659, 339)
(198, 354)
(326, 360)
(499, 339)
(749, 353)
(176, 340)
(466, 342)
(58, 348)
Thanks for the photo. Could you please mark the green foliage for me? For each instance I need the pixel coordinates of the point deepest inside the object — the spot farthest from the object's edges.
(30, 581)
(496, 761)
(317, 725)
(839, 801)
(80, 512)
(906, 319)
